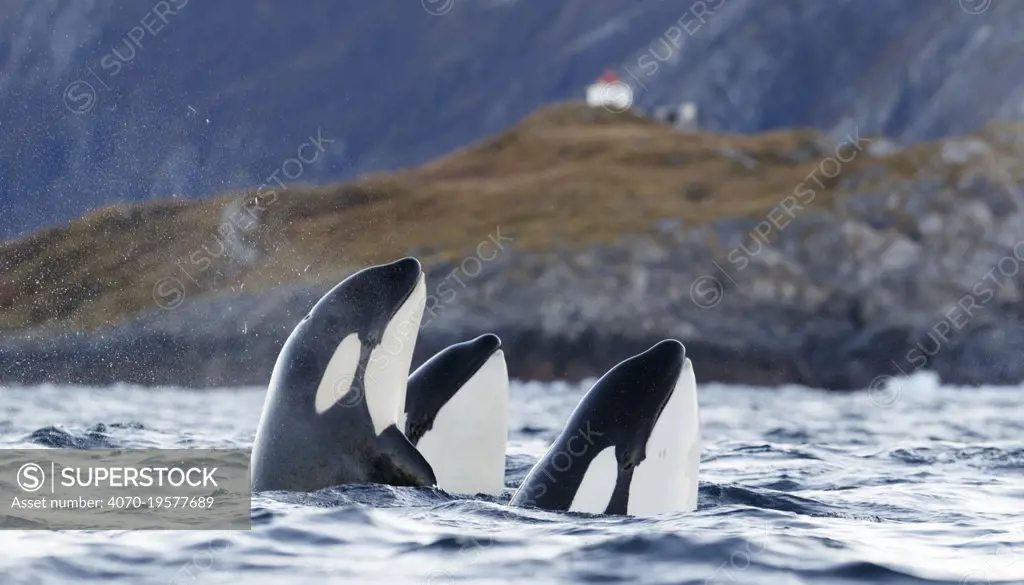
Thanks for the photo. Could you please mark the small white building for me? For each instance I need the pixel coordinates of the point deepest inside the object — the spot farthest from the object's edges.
(610, 92)
(682, 117)
(687, 116)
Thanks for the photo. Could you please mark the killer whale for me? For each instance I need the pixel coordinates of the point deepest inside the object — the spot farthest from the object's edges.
(336, 396)
(340, 410)
(631, 446)
(457, 415)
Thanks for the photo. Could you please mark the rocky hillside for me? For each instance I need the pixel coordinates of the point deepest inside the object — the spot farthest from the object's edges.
(579, 236)
(108, 101)
(567, 176)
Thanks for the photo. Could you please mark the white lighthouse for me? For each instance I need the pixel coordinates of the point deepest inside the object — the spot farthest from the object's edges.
(610, 92)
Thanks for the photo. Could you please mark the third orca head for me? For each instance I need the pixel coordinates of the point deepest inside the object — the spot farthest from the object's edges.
(630, 447)
(626, 403)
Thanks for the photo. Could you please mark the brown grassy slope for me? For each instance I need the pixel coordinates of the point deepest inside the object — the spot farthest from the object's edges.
(567, 175)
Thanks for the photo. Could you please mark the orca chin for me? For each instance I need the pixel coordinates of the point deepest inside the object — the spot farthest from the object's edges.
(631, 447)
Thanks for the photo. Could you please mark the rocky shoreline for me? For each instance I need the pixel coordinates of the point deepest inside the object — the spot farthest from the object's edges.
(241, 350)
(232, 341)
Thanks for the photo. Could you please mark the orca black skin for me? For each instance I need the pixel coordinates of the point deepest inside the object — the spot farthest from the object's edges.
(439, 378)
(297, 449)
(619, 411)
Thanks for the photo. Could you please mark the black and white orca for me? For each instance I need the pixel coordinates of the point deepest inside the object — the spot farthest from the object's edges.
(339, 404)
(457, 415)
(341, 408)
(337, 392)
(631, 447)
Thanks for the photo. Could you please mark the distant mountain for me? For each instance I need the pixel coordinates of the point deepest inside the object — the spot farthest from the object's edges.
(104, 101)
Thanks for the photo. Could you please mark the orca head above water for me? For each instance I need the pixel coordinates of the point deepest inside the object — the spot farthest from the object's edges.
(632, 446)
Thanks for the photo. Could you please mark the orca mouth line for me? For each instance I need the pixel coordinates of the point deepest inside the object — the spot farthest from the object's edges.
(420, 277)
(484, 361)
(674, 384)
(668, 396)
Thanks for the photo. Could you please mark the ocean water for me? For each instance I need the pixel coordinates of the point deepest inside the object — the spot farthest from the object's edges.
(914, 484)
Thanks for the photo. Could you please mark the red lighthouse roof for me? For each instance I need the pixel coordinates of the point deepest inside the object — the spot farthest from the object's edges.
(609, 76)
